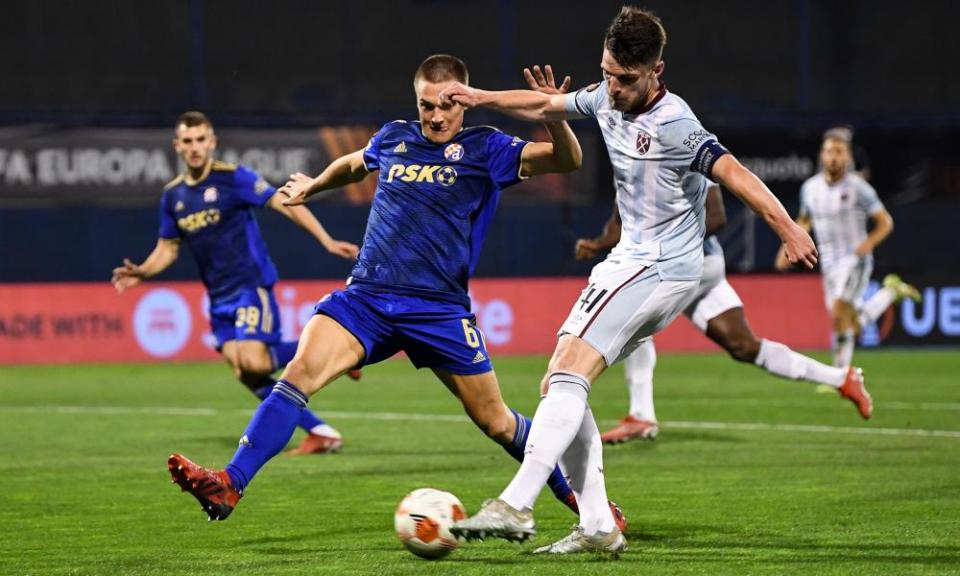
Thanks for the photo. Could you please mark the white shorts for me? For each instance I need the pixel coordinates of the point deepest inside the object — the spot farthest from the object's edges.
(714, 294)
(624, 303)
(847, 280)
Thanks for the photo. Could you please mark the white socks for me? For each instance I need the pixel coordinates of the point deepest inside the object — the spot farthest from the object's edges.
(583, 464)
(876, 306)
(842, 346)
(778, 359)
(555, 424)
(325, 430)
(638, 368)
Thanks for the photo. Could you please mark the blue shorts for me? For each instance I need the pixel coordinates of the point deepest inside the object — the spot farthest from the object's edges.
(434, 334)
(249, 314)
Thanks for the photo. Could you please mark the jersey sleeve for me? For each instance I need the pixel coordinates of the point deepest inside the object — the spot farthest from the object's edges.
(371, 154)
(586, 101)
(251, 187)
(686, 139)
(867, 198)
(168, 224)
(503, 158)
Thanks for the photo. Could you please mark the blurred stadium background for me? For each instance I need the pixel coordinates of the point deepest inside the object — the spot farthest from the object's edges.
(93, 87)
(750, 475)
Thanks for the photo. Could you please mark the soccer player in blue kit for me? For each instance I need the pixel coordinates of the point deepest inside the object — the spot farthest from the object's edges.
(438, 187)
(209, 207)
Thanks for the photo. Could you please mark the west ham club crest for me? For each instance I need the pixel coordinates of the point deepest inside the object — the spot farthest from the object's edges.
(643, 142)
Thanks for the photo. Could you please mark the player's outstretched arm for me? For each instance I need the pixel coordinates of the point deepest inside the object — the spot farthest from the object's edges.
(798, 245)
(563, 154)
(342, 171)
(882, 227)
(523, 104)
(304, 218)
(129, 274)
(588, 248)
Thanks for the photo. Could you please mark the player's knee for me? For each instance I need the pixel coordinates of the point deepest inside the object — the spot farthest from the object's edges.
(254, 363)
(303, 375)
(498, 427)
(744, 349)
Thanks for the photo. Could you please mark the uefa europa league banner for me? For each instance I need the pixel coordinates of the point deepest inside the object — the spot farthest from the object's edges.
(54, 167)
(131, 166)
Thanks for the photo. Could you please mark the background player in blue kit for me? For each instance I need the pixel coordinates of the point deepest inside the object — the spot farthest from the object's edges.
(437, 190)
(209, 207)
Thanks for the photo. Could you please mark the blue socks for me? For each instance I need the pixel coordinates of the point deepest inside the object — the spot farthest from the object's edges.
(307, 419)
(558, 484)
(281, 354)
(268, 432)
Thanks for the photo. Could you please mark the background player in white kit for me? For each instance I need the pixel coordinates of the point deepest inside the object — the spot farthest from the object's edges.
(836, 203)
(661, 156)
(718, 312)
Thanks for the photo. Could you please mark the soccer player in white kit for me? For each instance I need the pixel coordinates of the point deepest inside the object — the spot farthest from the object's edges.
(836, 203)
(661, 157)
(717, 312)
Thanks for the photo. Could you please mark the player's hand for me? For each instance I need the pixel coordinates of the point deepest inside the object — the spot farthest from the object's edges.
(586, 249)
(457, 93)
(864, 249)
(342, 249)
(543, 80)
(297, 189)
(798, 246)
(781, 264)
(126, 276)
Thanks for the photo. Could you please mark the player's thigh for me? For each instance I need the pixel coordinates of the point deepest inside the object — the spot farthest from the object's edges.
(856, 283)
(326, 351)
(230, 353)
(623, 304)
(482, 401)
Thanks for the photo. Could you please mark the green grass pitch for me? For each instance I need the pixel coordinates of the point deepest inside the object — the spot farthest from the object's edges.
(751, 474)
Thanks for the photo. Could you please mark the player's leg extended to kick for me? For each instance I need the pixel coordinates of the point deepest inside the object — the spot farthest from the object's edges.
(326, 351)
(732, 332)
(557, 424)
(483, 403)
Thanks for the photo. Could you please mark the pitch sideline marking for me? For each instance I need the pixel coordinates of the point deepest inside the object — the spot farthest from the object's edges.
(404, 416)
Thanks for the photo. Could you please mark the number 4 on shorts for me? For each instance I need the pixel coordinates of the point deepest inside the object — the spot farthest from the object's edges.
(591, 297)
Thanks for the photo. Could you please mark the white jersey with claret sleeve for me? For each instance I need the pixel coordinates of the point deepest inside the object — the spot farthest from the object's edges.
(839, 214)
(660, 194)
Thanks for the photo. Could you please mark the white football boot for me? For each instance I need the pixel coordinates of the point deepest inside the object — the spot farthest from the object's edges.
(577, 542)
(496, 519)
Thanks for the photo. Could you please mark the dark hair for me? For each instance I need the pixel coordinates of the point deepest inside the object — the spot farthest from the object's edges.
(636, 36)
(193, 118)
(441, 68)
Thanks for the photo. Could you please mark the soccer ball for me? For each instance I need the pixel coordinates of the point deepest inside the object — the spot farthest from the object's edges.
(423, 520)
